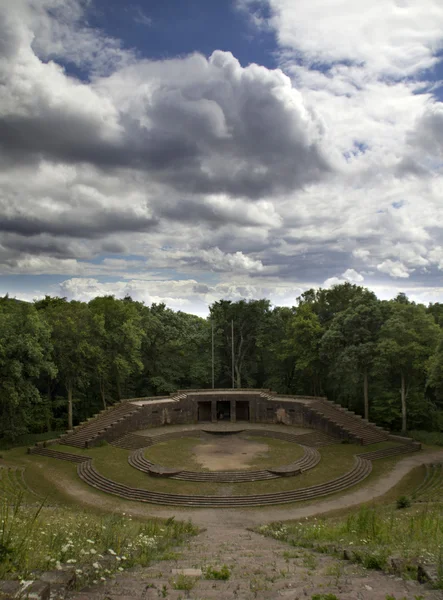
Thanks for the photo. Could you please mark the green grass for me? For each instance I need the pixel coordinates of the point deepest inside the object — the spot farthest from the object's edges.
(180, 453)
(112, 463)
(40, 537)
(58, 481)
(372, 534)
(95, 545)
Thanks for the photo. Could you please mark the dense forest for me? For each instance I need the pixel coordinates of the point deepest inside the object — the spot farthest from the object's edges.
(62, 361)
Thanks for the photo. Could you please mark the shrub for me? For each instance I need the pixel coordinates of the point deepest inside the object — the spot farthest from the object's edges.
(184, 582)
(223, 573)
(374, 561)
(403, 502)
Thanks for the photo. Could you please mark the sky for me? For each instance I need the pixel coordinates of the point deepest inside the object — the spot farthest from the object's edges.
(184, 152)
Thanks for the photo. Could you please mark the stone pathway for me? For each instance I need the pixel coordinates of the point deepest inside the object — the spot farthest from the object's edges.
(260, 568)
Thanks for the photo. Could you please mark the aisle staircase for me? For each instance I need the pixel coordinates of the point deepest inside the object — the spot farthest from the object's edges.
(358, 428)
(94, 428)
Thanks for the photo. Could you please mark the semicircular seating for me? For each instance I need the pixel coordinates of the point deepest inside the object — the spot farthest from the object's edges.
(91, 476)
(431, 488)
(311, 457)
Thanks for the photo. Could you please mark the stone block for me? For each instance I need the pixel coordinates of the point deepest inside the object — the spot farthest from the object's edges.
(66, 578)
(188, 572)
(427, 574)
(9, 590)
(38, 590)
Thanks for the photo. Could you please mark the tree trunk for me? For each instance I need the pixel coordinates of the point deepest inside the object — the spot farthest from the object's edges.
(48, 407)
(69, 405)
(238, 361)
(238, 375)
(102, 391)
(365, 393)
(403, 404)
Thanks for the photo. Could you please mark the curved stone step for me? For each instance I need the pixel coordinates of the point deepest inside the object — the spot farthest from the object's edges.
(432, 486)
(88, 473)
(310, 459)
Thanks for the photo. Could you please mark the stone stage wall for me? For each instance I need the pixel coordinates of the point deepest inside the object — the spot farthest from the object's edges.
(183, 408)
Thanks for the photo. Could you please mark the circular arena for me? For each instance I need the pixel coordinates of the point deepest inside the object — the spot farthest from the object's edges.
(224, 448)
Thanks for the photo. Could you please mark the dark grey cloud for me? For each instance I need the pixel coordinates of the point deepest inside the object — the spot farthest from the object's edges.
(42, 245)
(91, 225)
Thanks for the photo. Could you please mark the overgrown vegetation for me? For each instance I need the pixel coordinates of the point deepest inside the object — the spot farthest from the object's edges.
(61, 362)
(38, 538)
(432, 438)
(223, 573)
(372, 535)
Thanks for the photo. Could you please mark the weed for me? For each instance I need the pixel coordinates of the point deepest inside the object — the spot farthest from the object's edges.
(164, 591)
(183, 582)
(335, 570)
(101, 444)
(372, 534)
(39, 538)
(309, 561)
(374, 561)
(403, 502)
(324, 597)
(223, 573)
(288, 554)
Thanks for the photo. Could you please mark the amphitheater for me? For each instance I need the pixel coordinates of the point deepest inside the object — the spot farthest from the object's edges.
(232, 421)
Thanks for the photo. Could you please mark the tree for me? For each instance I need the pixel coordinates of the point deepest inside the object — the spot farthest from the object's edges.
(119, 342)
(407, 340)
(327, 303)
(249, 319)
(24, 355)
(435, 371)
(277, 365)
(301, 345)
(350, 344)
(74, 338)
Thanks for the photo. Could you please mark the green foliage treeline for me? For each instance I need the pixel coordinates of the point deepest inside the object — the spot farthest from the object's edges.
(62, 361)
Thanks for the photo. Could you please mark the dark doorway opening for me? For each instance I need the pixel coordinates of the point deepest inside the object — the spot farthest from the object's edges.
(242, 410)
(223, 410)
(204, 411)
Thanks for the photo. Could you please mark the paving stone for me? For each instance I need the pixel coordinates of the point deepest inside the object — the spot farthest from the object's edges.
(188, 572)
(258, 572)
(38, 590)
(65, 578)
(9, 589)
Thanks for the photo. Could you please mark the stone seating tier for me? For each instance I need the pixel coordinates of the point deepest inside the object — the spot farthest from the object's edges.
(431, 488)
(90, 475)
(310, 459)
